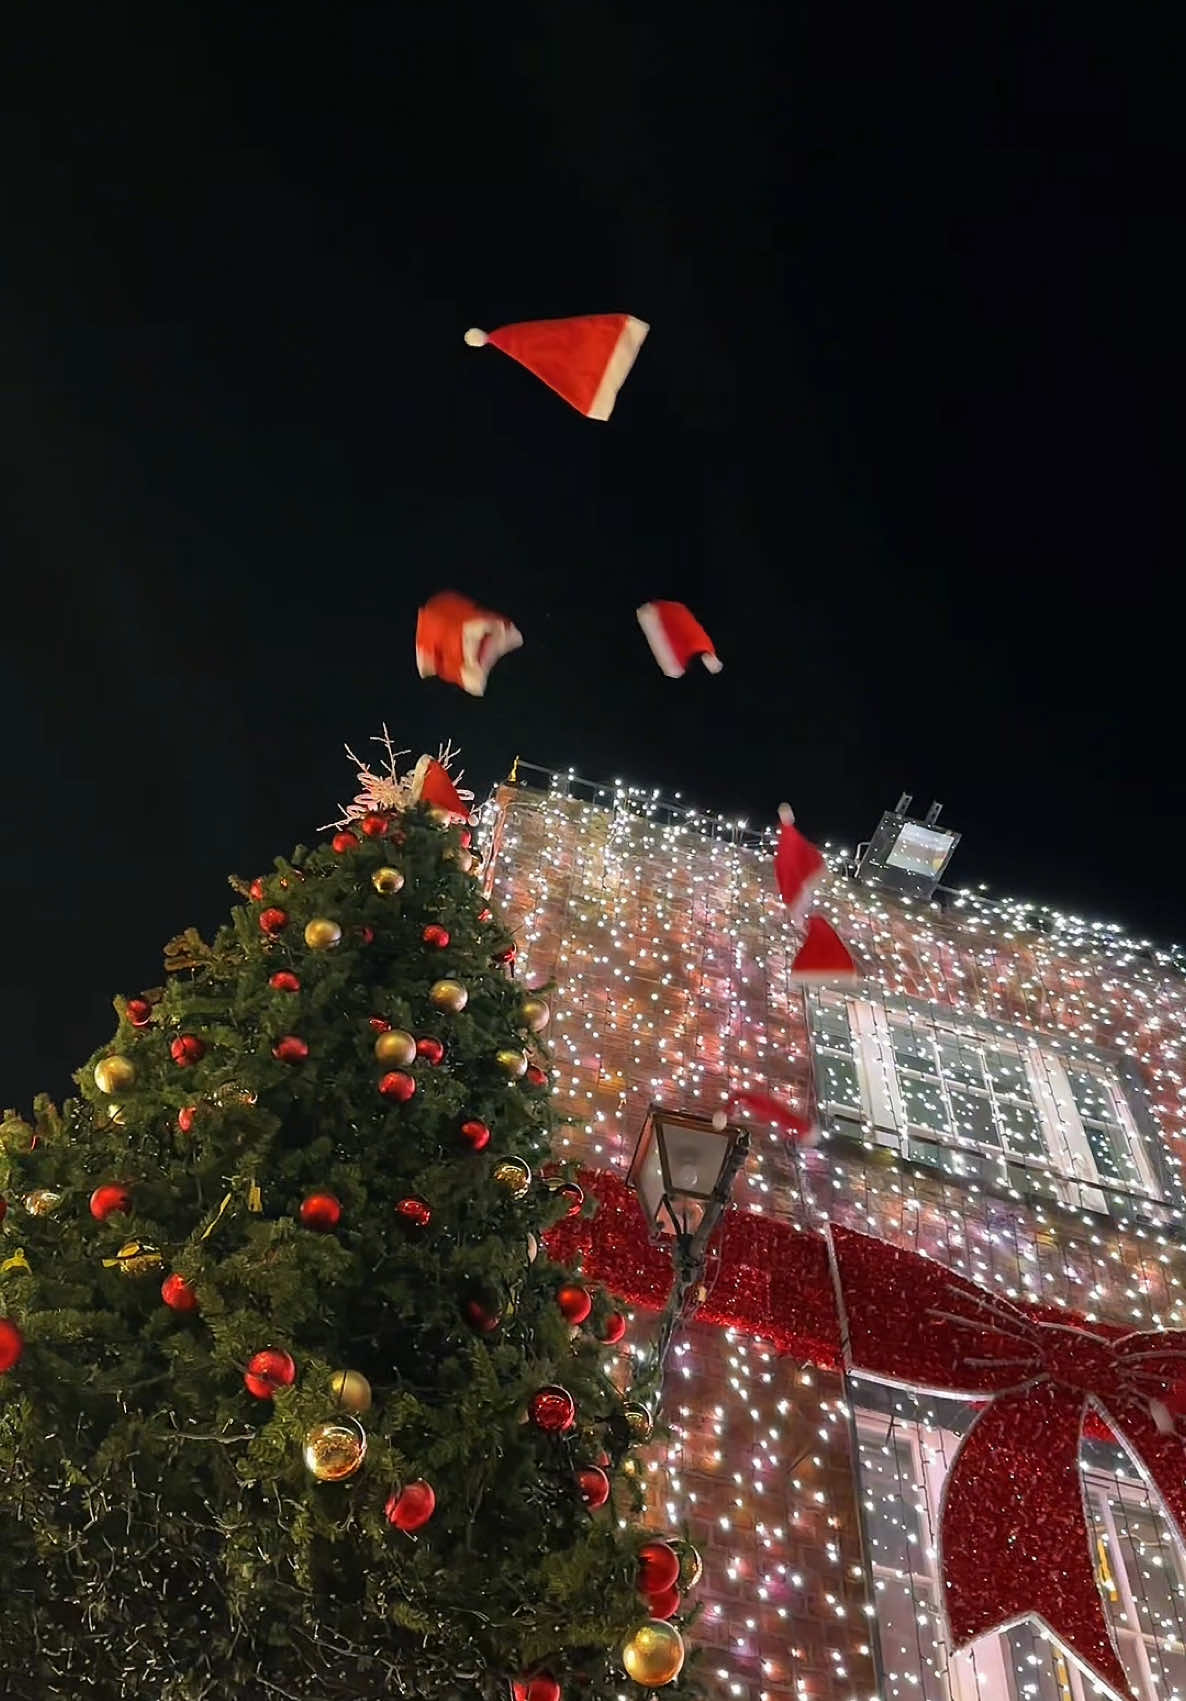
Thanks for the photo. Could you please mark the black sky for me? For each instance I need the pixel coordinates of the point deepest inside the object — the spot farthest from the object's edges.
(906, 435)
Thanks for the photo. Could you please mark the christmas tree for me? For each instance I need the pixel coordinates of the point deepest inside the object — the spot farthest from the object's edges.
(292, 1400)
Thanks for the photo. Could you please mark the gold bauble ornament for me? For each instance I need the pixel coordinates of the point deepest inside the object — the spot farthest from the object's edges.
(233, 1092)
(114, 1074)
(438, 816)
(532, 1248)
(513, 1176)
(691, 1566)
(448, 995)
(322, 934)
(335, 1449)
(42, 1201)
(136, 1258)
(387, 880)
(638, 1420)
(654, 1655)
(461, 857)
(113, 1113)
(536, 1014)
(351, 1390)
(512, 1063)
(397, 1047)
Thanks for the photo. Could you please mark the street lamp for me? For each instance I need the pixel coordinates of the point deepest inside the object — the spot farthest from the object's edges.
(683, 1171)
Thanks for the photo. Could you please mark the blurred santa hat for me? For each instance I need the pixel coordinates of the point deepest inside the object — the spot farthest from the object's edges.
(798, 865)
(823, 959)
(676, 638)
(585, 360)
(799, 1128)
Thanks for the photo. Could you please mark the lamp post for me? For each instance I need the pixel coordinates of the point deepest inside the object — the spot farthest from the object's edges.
(683, 1172)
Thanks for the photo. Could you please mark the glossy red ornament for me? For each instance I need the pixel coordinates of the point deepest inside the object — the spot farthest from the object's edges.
(535, 1076)
(574, 1301)
(273, 921)
(481, 1317)
(664, 1603)
(658, 1568)
(380, 1024)
(411, 1509)
(541, 1687)
(466, 838)
(343, 842)
(552, 1409)
(398, 1086)
(507, 954)
(178, 1295)
(284, 981)
(186, 1117)
(574, 1194)
(485, 915)
(3, 1207)
(321, 1212)
(106, 1201)
(12, 1344)
(256, 890)
(366, 935)
(415, 1214)
(594, 1486)
(186, 1050)
(374, 826)
(613, 1328)
(430, 1049)
(475, 1134)
(268, 1371)
(139, 1012)
(290, 1049)
(436, 936)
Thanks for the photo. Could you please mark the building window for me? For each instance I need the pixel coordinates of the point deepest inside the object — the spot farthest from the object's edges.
(978, 1103)
(1140, 1570)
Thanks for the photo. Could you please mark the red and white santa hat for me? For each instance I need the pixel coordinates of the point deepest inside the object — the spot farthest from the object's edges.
(586, 360)
(801, 1129)
(798, 865)
(676, 638)
(823, 959)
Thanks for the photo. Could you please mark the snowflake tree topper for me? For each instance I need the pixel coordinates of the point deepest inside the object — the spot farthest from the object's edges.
(383, 788)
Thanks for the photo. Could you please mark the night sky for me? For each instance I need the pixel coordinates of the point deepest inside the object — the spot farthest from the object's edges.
(905, 435)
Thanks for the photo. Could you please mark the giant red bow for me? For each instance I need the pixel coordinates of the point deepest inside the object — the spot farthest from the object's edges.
(1014, 1539)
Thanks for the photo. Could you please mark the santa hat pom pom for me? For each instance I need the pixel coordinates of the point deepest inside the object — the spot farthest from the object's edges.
(720, 1121)
(786, 814)
(476, 339)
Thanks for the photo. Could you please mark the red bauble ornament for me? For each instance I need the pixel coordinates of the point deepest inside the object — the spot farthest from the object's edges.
(186, 1050)
(479, 1316)
(552, 1409)
(415, 1214)
(12, 1344)
(343, 842)
(436, 936)
(507, 954)
(290, 1049)
(575, 1196)
(374, 826)
(485, 915)
(466, 838)
(178, 1295)
(106, 1201)
(380, 1024)
(535, 1076)
(475, 1134)
(256, 890)
(284, 981)
(186, 1117)
(273, 921)
(594, 1486)
(268, 1371)
(541, 1687)
(3, 1208)
(574, 1302)
(139, 1012)
(398, 1086)
(365, 934)
(658, 1568)
(412, 1509)
(613, 1328)
(664, 1604)
(430, 1049)
(320, 1211)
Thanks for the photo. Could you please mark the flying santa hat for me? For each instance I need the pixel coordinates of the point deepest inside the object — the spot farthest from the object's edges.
(459, 642)
(798, 865)
(799, 1128)
(823, 959)
(585, 360)
(676, 638)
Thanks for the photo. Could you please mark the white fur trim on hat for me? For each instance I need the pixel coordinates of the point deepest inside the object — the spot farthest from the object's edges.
(786, 814)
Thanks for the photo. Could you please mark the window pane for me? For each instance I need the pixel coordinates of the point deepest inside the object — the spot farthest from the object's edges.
(1109, 1148)
(895, 1520)
(974, 1118)
(1006, 1071)
(1148, 1559)
(913, 1050)
(1037, 1669)
(910, 1651)
(1092, 1098)
(837, 1081)
(830, 1021)
(924, 1104)
(960, 1061)
(1022, 1130)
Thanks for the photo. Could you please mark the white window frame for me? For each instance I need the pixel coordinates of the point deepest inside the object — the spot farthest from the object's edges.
(981, 1673)
(1069, 1157)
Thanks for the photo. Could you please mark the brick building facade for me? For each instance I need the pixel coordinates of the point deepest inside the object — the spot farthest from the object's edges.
(1002, 1091)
